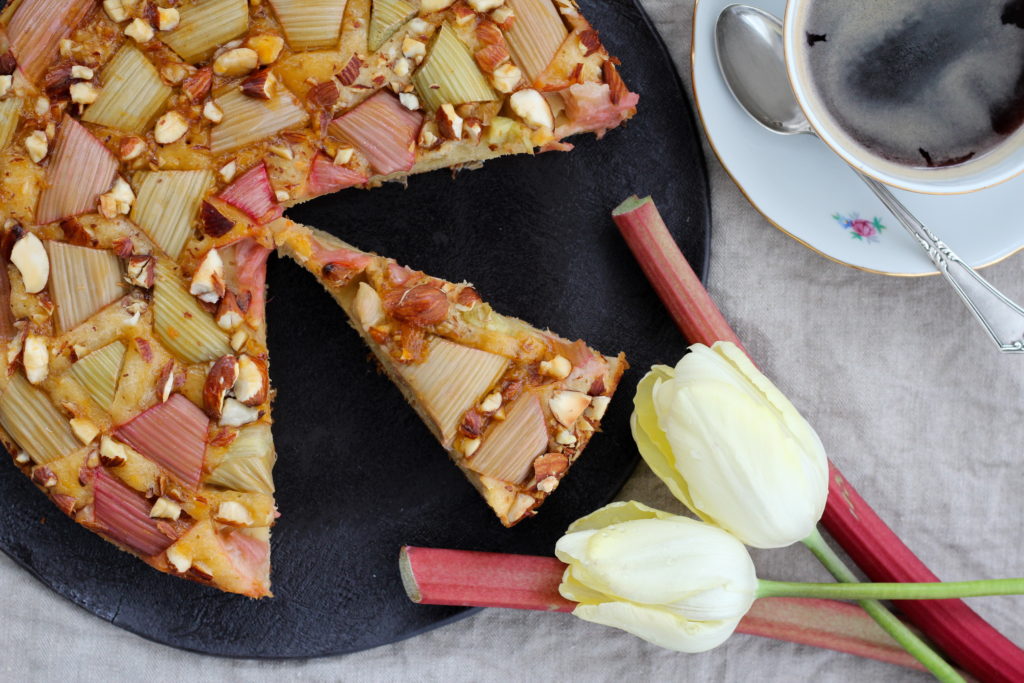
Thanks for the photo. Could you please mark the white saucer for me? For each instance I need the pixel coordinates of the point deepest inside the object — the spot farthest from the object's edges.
(810, 194)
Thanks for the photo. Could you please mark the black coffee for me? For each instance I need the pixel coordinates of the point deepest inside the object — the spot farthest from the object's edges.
(920, 82)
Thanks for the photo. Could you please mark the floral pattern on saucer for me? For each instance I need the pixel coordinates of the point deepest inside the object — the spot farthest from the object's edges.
(860, 228)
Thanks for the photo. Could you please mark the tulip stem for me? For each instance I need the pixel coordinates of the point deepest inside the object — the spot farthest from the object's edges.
(900, 632)
(891, 591)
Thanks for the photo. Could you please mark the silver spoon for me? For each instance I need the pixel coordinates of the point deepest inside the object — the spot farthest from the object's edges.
(748, 42)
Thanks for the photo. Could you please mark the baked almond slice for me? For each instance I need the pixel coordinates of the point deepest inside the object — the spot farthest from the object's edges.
(512, 405)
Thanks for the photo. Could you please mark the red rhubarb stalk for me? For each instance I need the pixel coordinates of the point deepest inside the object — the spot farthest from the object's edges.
(474, 579)
(967, 638)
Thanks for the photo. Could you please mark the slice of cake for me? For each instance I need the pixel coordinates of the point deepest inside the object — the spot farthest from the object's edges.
(512, 405)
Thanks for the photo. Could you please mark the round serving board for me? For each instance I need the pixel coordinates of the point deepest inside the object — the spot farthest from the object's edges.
(358, 474)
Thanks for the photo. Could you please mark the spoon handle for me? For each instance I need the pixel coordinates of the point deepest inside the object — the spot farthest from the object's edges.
(1001, 317)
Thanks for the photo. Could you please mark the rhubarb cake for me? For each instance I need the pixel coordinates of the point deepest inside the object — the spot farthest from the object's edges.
(146, 149)
(514, 406)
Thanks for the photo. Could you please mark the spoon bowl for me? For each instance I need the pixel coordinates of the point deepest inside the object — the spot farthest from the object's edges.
(749, 47)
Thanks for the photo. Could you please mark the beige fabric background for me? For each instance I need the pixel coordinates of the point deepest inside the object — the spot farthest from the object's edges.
(909, 398)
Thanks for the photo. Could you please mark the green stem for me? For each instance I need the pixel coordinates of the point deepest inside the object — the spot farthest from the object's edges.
(902, 634)
(890, 591)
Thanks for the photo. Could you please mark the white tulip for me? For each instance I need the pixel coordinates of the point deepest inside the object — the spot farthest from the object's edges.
(731, 447)
(673, 581)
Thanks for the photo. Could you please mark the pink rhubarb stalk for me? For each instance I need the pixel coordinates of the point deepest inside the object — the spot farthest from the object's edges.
(252, 194)
(37, 28)
(80, 170)
(968, 639)
(123, 514)
(173, 435)
(383, 130)
(245, 270)
(464, 578)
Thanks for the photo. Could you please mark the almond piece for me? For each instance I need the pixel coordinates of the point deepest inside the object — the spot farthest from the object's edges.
(236, 414)
(369, 308)
(208, 280)
(219, 380)
(504, 17)
(141, 270)
(422, 305)
(598, 406)
(267, 47)
(568, 406)
(167, 20)
(170, 127)
(197, 86)
(139, 31)
(81, 72)
(6, 81)
(259, 85)
(84, 92)
(532, 108)
(429, 6)
(233, 513)
(506, 78)
(229, 315)
(85, 430)
(44, 476)
(117, 10)
(236, 62)
(409, 101)
(112, 453)
(178, 560)
(213, 113)
(36, 358)
(558, 367)
(485, 5)
(29, 256)
(37, 145)
(491, 402)
(252, 384)
(132, 148)
(165, 508)
(414, 49)
(449, 123)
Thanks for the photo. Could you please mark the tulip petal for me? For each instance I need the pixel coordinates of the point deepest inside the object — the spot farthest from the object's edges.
(615, 513)
(663, 561)
(654, 448)
(659, 626)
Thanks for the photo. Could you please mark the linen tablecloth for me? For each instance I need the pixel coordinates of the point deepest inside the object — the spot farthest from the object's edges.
(910, 399)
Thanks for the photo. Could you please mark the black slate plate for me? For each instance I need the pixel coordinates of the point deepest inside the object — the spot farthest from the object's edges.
(358, 474)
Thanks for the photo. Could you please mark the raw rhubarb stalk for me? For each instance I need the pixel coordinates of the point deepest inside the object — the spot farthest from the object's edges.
(37, 28)
(252, 194)
(80, 170)
(325, 176)
(383, 130)
(171, 434)
(434, 576)
(967, 638)
(123, 515)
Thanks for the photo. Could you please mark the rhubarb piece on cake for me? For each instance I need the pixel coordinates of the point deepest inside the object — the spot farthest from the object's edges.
(512, 405)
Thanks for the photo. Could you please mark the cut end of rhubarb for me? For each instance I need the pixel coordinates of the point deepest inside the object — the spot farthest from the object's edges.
(631, 204)
(412, 588)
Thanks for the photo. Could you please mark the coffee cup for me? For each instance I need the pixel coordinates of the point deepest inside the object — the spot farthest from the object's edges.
(923, 95)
